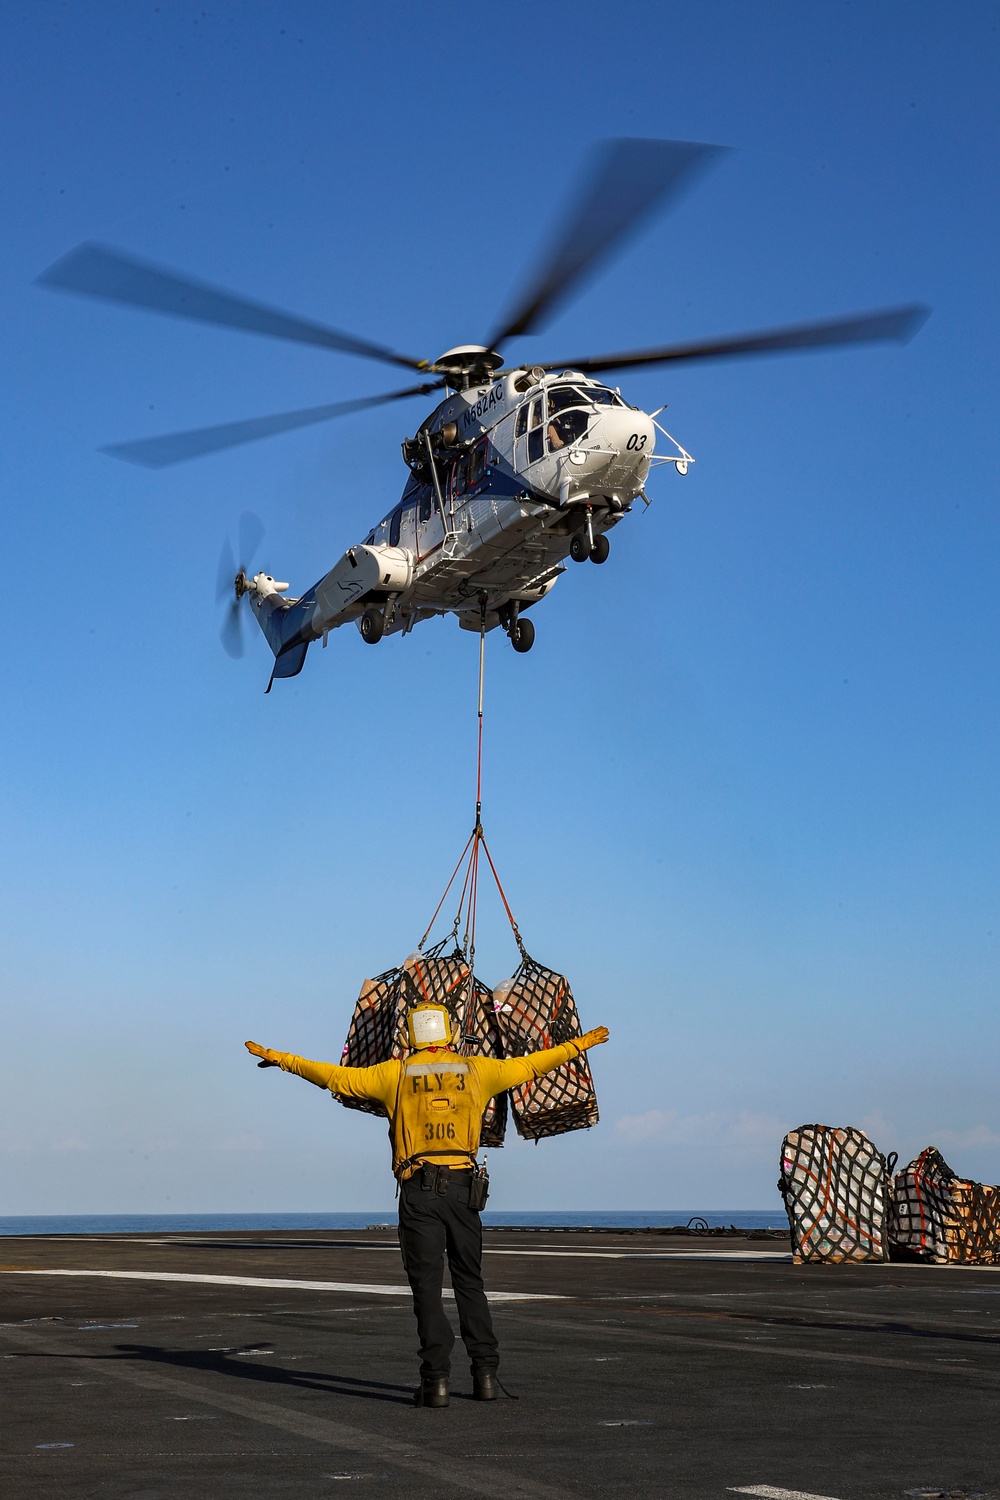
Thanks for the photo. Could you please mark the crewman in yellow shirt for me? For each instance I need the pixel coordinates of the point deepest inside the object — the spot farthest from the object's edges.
(435, 1100)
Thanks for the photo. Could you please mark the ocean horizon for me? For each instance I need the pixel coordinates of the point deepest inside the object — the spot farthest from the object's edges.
(41, 1224)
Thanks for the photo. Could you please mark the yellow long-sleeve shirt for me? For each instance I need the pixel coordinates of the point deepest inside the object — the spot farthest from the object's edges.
(434, 1097)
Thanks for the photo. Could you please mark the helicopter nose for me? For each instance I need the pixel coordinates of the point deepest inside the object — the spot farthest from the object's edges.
(630, 435)
(613, 456)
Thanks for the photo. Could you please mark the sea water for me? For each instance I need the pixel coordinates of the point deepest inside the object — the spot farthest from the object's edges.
(34, 1224)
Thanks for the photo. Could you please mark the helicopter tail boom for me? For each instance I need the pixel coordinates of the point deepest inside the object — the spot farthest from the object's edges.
(290, 625)
(284, 623)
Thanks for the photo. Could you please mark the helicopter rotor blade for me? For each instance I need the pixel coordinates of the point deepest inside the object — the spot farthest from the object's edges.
(628, 180)
(96, 271)
(893, 323)
(226, 573)
(231, 632)
(178, 447)
(251, 534)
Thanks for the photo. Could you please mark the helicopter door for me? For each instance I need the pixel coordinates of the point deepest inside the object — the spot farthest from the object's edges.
(430, 530)
(528, 433)
(535, 430)
(520, 436)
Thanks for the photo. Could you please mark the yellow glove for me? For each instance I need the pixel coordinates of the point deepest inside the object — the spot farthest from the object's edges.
(591, 1038)
(269, 1058)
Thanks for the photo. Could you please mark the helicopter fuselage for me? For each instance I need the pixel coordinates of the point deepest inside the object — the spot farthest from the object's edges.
(514, 471)
(508, 478)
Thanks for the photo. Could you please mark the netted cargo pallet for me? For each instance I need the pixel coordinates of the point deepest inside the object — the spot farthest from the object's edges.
(535, 1010)
(481, 1038)
(940, 1217)
(837, 1195)
(377, 1032)
(977, 1238)
(371, 1036)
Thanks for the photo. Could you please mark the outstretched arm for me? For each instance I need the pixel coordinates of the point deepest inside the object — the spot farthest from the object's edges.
(498, 1076)
(378, 1083)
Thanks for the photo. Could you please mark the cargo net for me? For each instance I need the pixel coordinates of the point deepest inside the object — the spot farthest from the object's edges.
(481, 1038)
(940, 1217)
(837, 1196)
(378, 1033)
(535, 1011)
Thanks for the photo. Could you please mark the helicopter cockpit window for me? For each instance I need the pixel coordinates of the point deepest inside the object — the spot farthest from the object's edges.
(535, 430)
(601, 396)
(394, 525)
(521, 421)
(565, 428)
(567, 420)
(563, 396)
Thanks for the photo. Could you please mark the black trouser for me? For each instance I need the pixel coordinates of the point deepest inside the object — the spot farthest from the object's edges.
(431, 1224)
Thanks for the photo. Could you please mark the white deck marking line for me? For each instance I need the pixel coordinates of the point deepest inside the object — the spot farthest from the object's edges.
(747, 1255)
(750, 1255)
(754, 1255)
(769, 1492)
(275, 1281)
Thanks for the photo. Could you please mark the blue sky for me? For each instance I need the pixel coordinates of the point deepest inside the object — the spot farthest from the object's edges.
(743, 791)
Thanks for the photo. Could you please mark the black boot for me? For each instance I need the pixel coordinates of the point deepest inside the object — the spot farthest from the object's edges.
(484, 1385)
(432, 1391)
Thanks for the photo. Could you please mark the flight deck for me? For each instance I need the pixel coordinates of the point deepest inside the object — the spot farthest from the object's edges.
(644, 1365)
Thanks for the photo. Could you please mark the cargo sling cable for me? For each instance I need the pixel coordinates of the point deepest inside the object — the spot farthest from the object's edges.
(468, 861)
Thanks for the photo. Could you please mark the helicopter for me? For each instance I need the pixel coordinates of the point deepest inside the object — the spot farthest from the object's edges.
(518, 468)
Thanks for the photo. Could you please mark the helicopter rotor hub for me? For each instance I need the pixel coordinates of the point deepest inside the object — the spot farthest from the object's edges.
(467, 365)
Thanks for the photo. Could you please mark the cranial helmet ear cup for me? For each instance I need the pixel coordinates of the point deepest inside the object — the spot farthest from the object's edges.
(428, 1026)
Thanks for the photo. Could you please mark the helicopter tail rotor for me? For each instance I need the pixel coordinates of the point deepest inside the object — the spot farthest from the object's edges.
(233, 581)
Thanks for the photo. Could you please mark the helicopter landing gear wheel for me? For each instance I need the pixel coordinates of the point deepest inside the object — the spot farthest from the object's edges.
(601, 550)
(579, 547)
(372, 626)
(522, 635)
